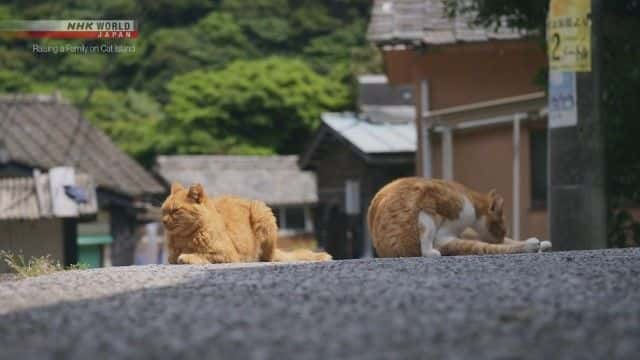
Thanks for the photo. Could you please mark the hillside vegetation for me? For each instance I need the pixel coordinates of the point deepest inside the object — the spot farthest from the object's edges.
(226, 76)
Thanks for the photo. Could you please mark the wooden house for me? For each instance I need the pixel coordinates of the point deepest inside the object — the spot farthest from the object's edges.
(32, 226)
(353, 156)
(39, 132)
(479, 113)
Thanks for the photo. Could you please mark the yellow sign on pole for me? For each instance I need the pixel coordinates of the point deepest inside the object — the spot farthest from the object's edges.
(569, 35)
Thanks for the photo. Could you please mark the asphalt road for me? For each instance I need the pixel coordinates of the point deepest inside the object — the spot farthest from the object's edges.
(553, 305)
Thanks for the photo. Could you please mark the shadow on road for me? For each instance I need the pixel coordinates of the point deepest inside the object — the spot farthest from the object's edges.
(558, 305)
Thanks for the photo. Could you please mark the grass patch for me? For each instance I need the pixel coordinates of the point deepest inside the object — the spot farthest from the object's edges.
(35, 266)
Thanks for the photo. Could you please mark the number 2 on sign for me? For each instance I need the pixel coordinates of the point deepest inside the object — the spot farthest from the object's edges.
(556, 46)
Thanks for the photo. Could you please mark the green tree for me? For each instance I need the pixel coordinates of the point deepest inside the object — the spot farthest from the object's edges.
(265, 22)
(212, 42)
(130, 118)
(268, 105)
(14, 82)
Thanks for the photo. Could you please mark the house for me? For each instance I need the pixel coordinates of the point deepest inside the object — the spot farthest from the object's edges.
(28, 217)
(276, 180)
(480, 116)
(40, 132)
(354, 155)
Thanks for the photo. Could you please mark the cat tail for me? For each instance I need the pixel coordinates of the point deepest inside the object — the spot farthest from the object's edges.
(300, 255)
(264, 226)
(266, 231)
(372, 212)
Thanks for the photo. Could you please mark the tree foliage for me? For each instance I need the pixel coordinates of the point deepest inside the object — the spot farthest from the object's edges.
(260, 106)
(130, 118)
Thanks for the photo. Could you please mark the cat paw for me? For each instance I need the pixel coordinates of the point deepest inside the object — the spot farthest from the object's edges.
(323, 257)
(545, 246)
(532, 245)
(190, 259)
(432, 252)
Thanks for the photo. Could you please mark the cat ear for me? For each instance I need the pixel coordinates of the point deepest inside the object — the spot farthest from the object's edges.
(196, 193)
(175, 187)
(497, 202)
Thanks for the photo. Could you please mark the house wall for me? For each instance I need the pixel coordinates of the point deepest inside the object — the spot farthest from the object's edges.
(483, 159)
(33, 238)
(333, 168)
(465, 73)
(471, 72)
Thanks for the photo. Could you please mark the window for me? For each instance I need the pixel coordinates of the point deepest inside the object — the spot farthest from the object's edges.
(291, 219)
(538, 168)
(295, 218)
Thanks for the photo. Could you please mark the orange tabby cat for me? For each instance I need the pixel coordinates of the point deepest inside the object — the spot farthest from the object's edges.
(225, 229)
(418, 216)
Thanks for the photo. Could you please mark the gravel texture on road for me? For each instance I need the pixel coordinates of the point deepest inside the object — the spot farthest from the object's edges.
(553, 305)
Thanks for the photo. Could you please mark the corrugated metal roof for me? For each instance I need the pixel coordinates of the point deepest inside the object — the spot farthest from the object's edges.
(19, 198)
(370, 137)
(425, 21)
(45, 132)
(400, 114)
(276, 180)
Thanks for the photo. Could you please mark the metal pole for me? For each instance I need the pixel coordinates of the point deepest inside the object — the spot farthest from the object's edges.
(577, 200)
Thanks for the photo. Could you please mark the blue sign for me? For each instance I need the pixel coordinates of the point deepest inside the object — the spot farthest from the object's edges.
(563, 101)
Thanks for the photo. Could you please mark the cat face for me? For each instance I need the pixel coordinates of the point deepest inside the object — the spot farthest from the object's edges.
(181, 211)
(495, 226)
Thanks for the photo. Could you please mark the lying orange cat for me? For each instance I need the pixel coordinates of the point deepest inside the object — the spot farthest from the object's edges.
(203, 230)
(418, 216)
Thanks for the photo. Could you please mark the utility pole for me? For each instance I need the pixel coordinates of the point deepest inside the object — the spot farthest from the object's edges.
(577, 198)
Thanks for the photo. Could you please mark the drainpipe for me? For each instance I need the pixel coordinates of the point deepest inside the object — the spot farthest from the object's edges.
(424, 129)
(516, 176)
(447, 153)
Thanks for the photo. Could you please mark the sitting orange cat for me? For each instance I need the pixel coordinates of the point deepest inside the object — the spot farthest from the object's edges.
(418, 216)
(202, 230)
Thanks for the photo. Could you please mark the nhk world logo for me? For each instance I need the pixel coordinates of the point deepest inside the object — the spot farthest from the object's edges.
(71, 29)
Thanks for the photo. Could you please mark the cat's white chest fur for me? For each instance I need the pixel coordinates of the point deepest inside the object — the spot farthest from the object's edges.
(434, 234)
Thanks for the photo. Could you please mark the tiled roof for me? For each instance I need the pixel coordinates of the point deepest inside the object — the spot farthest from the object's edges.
(425, 22)
(276, 180)
(20, 199)
(44, 132)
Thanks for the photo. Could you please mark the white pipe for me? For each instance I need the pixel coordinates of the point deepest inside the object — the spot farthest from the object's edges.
(447, 154)
(424, 136)
(516, 176)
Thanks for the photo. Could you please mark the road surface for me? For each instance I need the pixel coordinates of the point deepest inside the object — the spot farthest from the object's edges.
(533, 306)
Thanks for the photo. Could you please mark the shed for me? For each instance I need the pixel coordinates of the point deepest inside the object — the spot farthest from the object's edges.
(28, 223)
(39, 132)
(354, 155)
